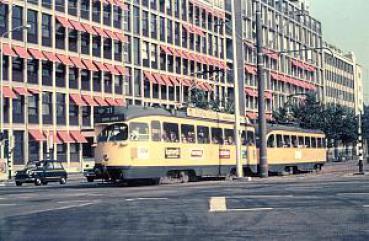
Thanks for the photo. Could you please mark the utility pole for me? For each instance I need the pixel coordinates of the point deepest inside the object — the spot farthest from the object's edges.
(360, 146)
(236, 6)
(263, 162)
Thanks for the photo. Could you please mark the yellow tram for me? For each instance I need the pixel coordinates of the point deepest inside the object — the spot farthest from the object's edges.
(149, 143)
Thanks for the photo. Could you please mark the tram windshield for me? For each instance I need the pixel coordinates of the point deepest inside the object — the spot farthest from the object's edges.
(114, 132)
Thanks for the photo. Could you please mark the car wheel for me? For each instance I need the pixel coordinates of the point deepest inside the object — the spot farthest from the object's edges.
(63, 180)
(38, 182)
(18, 184)
(90, 179)
(44, 182)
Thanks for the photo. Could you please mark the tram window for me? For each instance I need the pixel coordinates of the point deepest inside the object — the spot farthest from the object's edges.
(217, 136)
(243, 138)
(307, 142)
(319, 144)
(138, 131)
(279, 141)
(286, 141)
(250, 138)
(271, 141)
(155, 131)
(324, 141)
(114, 132)
(313, 142)
(301, 141)
(229, 137)
(170, 132)
(295, 141)
(188, 134)
(203, 135)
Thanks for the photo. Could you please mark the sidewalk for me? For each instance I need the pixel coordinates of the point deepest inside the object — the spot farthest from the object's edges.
(345, 167)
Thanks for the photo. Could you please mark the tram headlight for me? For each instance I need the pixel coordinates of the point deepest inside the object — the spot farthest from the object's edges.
(105, 158)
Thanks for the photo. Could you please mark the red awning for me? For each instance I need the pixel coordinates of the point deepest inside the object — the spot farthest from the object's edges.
(8, 50)
(89, 100)
(21, 52)
(37, 54)
(77, 26)
(165, 49)
(100, 101)
(77, 62)
(186, 82)
(166, 80)
(150, 77)
(78, 137)
(175, 52)
(64, 22)
(64, 59)
(9, 93)
(120, 102)
(121, 37)
(174, 80)
(268, 95)
(88, 28)
(65, 137)
(251, 69)
(110, 101)
(158, 79)
(90, 66)
(21, 91)
(252, 115)
(77, 99)
(251, 92)
(122, 70)
(52, 137)
(51, 56)
(208, 86)
(101, 66)
(111, 69)
(111, 34)
(37, 135)
(100, 31)
(33, 91)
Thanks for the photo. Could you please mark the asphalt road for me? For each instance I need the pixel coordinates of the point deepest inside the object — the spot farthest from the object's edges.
(279, 208)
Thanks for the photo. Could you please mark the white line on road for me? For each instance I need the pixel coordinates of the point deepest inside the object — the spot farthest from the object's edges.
(261, 196)
(365, 206)
(145, 198)
(219, 204)
(60, 208)
(250, 209)
(7, 204)
(352, 193)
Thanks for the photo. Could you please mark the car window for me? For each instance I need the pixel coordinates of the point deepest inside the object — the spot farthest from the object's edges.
(57, 165)
(49, 165)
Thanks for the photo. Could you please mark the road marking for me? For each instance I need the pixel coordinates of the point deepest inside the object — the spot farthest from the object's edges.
(352, 193)
(145, 198)
(366, 206)
(7, 204)
(219, 204)
(262, 196)
(60, 208)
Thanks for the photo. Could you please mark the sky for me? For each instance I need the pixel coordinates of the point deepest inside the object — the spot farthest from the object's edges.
(345, 24)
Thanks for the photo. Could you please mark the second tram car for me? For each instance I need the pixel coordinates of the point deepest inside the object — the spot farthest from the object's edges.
(150, 143)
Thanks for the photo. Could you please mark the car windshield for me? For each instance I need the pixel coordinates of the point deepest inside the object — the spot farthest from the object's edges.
(114, 132)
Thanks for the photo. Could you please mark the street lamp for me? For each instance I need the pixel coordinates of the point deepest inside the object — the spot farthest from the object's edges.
(22, 27)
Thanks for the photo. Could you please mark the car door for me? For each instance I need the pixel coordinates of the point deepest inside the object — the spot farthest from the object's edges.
(49, 171)
(58, 170)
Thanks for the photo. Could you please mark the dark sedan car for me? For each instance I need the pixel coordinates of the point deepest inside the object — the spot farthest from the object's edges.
(42, 172)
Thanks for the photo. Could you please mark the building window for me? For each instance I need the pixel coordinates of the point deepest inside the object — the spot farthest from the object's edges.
(3, 18)
(17, 21)
(107, 14)
(18, 69)
(60, 75)
(96, 11)
(85, 80)
(46, 30)
(96, 46)
(85, 9)
(33, 109)
(60, 108)
(73, 78)
(72, 7)
(73, 37)
(18, 152)
(47, 70)
(47, 108)
(60, 5)
(73, 113)
(108, 82)
(32, 71)
(108, 48)
(60, 36)
(18, 110)
(97, 81)
(32, 32)
(85, 43)
(117, 15)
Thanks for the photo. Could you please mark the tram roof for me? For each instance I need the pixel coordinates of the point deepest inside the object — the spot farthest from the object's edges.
(131, 112)
(292, 128)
